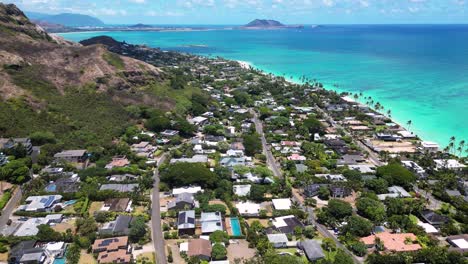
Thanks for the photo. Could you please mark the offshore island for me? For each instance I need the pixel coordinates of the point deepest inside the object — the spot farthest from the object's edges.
(114, 152)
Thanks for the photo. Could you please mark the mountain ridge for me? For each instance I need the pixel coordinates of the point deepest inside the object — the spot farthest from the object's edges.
(66, 19)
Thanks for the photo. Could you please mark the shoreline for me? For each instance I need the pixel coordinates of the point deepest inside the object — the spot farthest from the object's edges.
(297, 82)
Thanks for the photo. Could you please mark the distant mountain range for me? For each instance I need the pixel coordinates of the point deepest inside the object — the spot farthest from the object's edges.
(66, 19)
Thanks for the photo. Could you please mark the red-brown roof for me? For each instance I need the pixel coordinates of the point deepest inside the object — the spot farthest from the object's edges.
(199, 247)
(393, 242)
(119, 256)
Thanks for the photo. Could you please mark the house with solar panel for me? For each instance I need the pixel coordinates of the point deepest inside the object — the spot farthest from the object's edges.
(210, 222)
(113, 250)
(186, 223)
(44, 203)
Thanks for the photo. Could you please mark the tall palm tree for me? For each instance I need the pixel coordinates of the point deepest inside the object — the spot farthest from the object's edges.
(409, 123)
(461, 146)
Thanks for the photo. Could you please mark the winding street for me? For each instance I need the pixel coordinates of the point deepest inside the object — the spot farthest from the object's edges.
(156, 230)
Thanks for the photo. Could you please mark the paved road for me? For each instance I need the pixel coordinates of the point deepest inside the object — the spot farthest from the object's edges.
(433, 203)
(8, 209)
(271, 161)
(157, 235)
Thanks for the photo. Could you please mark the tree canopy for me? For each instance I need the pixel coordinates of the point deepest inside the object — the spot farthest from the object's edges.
(183, 174)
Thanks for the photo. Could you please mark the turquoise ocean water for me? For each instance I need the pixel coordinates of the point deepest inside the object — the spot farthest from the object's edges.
(419, 72)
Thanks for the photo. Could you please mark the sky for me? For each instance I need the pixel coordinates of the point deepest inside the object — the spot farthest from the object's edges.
(238, 12)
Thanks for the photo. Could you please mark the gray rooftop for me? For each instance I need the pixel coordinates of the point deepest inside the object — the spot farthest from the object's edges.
(312, 249)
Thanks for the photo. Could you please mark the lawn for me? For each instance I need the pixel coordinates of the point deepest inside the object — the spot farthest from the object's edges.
(86, 258)
(228, 212)
(62, 227)
(148, 256)
(94, 207)
(264, 222)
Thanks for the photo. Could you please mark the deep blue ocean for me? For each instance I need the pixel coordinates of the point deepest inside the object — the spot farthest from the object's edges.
(419, 72)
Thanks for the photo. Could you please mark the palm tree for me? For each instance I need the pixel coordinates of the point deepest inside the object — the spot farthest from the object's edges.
(452, 144)
(389, 113)
(409, 123)
(461, 146)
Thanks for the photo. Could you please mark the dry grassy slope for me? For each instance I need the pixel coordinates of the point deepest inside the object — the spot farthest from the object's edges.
(64, 64)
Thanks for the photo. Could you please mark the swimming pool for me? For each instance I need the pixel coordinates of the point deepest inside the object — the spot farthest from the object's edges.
(70, 202)
(61, 260)
(235, 226)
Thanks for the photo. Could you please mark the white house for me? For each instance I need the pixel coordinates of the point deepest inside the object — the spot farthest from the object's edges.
(282, 204)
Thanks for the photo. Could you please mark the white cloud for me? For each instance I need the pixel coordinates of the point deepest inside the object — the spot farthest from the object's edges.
(138, 1)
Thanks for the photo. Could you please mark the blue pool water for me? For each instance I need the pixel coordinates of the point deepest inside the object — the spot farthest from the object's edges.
(61, 260)
(70, 202)
(235, 227)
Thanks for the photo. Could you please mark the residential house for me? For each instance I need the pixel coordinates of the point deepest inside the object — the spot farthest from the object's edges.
(450, 164)
(182, 201)
(119, 187)
(241, 190)
(337, 145)
(200, 248)
(312, 249)
(194, 159)
(393, 242)
(413, 166)
(143, 149)
(332, 177)
(117, 205)
(285, 224)
(211, 222)
(351, 159)
(235, 153)
(237, 146)
(278, 240)
(211, 140)
(282, 204)
(232, 161)
(44, 203)
(188, 189)
(112, 250)
(458, 243)
(29, 227)
(297, 158)
(118, 162)
(340, 191)
(434, 218)
(3, 159)
(248, 208)
(122, 177)
(394, 192)
(199, 121)
(312, 190)
(65, 184)
(186, 223)
(76, 156)
(428, 146)
(119, 227)
(9, 143)
(169, 133)
(27, 252)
